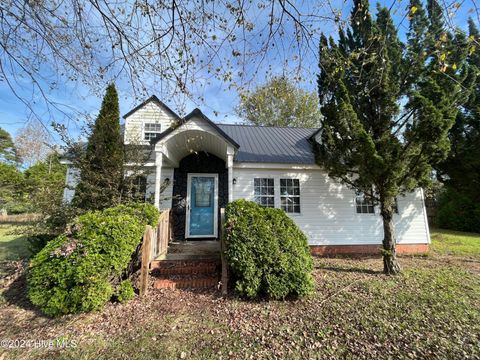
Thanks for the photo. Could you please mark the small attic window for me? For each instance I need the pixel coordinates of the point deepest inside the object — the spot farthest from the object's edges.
(151, 131)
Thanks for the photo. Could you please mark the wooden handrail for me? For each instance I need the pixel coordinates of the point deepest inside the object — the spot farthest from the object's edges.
(154, 244)
(163, 234)
(145, 266)
(223, 255)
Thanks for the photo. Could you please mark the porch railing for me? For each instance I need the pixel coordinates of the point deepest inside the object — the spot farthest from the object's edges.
(154, 244)
(162, 235)
(223, 256)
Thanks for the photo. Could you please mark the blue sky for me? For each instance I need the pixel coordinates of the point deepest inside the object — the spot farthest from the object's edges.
(218, 96)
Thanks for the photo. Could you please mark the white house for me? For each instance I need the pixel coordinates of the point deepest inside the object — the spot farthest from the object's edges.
(201, 166)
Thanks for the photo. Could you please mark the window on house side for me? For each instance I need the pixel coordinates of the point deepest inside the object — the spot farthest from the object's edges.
(264, 193)
(151, 131)
(290, 195)
(363, 203)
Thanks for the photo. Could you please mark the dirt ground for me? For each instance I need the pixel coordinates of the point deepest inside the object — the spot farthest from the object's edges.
(432, 310)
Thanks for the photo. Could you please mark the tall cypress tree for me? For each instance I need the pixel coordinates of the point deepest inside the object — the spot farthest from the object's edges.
(387, 106)
(101, 168)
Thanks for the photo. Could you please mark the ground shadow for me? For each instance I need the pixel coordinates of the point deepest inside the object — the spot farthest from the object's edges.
(16, 294)
(14, 249)
(349, 270)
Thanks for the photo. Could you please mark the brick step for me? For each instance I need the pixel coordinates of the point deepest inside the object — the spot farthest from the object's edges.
(186, 282)
(175, 267)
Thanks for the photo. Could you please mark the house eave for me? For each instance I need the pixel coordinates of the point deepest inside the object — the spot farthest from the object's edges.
(157, 101)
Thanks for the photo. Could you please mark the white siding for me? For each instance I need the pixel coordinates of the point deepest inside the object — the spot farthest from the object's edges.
(149, 113)
(72, 178)
(166, 195)
(71, 181)
(328, 215)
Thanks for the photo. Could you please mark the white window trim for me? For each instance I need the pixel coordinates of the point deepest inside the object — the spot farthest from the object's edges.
(274, 196)
(276, 192)
(355, 205)
(375, 207)
(156, 132)
(287, 196)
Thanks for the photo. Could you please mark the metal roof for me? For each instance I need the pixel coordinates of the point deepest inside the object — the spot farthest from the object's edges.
(285, 145)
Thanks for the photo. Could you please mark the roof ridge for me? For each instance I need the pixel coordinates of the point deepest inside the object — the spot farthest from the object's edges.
(155, 99)
(269, 126)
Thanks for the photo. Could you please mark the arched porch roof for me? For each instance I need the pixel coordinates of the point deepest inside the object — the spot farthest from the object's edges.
(196, 133)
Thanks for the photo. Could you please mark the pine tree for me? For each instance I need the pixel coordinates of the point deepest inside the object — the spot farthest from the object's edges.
(387, 106)
(461, 169)
(101, 167)
(460, 172)
(8, 151)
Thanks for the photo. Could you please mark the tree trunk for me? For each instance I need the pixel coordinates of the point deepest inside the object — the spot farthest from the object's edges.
(390, 263)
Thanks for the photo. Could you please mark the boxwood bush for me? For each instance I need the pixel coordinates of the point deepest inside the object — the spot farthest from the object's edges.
(81, 270)
(125, 291)
(267, 253)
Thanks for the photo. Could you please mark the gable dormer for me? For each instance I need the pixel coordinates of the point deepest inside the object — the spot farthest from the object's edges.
(147, 121)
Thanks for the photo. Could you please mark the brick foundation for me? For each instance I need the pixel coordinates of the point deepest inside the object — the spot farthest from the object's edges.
(333, 250)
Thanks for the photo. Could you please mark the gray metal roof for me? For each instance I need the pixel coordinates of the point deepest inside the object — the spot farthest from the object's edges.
(271, 144)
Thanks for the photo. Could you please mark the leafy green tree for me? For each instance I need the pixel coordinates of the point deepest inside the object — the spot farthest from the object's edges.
(8, 152)
(388, 105)
(280, 103)
(44, 183)
(11, 179)
(11, 189)
(101, 167)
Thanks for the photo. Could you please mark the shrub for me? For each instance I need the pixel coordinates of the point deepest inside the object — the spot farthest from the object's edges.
(80, 270)
(267, 253)
(457, 211)
(125, 291)
(147, 213)
(38, 241)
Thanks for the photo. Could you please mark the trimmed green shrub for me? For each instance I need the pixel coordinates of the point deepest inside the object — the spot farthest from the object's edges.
(457, 211)
(125, 291)
(80, 270)
(266, 251)
(38, 241)
(147, 213)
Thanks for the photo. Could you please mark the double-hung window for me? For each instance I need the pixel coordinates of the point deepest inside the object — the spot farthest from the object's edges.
(151, 131)
(290, 195)
(264, 193)
(364, 203)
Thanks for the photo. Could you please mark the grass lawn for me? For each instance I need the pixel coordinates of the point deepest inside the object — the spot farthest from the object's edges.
(431, 310)
(448, 242)
(13, 246)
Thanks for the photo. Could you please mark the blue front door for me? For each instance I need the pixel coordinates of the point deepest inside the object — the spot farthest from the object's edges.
(202, 206)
